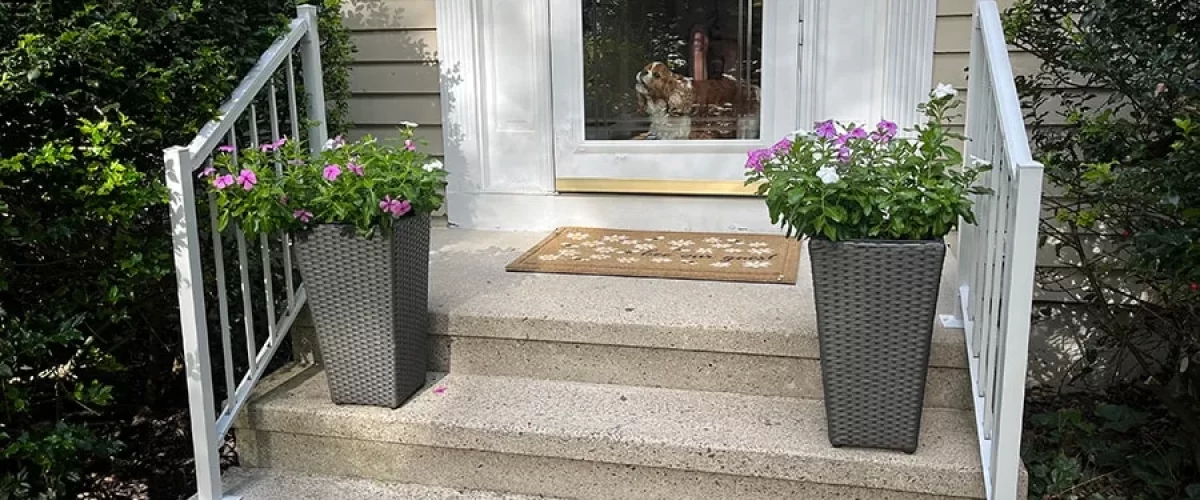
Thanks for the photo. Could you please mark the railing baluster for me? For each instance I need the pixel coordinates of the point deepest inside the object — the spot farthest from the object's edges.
(244, 271)
(995, 290)
(222, 294)
(285, 240)
(263, 243)
(269, 285)
(293, 105)
(247, 303)
(254, 126)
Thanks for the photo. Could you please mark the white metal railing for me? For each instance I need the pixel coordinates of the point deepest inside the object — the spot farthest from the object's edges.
(998, 254)
(209, 426)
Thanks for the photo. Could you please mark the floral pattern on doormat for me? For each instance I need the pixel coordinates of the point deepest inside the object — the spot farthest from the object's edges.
(755, 258)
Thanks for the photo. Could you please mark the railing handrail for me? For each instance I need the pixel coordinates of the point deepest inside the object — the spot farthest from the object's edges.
(1008, 102)
(213, 132)
(209, 426)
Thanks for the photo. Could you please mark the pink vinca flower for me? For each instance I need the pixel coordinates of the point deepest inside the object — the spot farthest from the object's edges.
(302, 215)
(272, 146)
(843, 154)
(394, 206)
(356, 168)
(223, 181)
(332, 171)
(225, 148)
(755, 159)
(782, 147)
(247, 179)
(410, 145)
(826, 129)
(887, 128)
(207, 172)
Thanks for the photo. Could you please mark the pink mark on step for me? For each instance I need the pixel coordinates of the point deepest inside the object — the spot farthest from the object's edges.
(439, 390)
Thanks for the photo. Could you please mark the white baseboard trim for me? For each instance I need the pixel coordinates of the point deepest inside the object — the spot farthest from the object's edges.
(543, 212)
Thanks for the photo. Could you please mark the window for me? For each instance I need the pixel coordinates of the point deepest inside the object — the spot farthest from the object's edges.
(672, 69)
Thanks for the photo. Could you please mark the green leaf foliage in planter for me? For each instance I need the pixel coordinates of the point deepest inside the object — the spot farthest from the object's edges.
(366, 184)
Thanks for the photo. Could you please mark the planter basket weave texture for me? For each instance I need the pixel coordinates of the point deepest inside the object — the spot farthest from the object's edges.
(370, 306)
(876, 302)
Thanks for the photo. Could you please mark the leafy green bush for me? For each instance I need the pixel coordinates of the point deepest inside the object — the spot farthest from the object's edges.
(1115, 115)
(91, 91)
(842, 182)
(1106, 447)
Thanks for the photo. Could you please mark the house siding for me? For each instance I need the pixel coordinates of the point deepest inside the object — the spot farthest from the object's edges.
(394, 76)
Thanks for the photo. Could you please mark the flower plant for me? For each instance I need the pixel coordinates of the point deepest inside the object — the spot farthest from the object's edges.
(281, 186)
(842, 181)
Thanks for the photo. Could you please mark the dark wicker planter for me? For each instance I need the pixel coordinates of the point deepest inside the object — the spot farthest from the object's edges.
(876, 302)
(370, 304)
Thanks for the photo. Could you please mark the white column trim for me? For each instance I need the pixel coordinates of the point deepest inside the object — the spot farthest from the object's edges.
(908, 58)
(460, 85)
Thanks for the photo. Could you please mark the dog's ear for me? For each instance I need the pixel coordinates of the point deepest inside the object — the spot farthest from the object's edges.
(680, 98)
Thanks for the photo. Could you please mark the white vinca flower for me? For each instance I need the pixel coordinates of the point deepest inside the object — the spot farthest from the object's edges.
(798, 134)
(433, 165)
(408, 124)
(828, 175)
(943, 90)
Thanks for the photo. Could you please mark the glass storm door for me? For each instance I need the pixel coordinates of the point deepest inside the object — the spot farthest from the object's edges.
(667, 96)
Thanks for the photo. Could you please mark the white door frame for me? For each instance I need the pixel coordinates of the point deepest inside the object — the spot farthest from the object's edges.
(498, 124)
(577, 158)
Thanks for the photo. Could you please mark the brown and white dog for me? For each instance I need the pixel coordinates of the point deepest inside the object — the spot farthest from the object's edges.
(671, 100)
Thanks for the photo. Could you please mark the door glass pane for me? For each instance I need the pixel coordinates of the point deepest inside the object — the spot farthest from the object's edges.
(672, 69)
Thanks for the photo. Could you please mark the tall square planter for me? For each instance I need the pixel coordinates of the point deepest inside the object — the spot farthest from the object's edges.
(876, 302)
(370, 305)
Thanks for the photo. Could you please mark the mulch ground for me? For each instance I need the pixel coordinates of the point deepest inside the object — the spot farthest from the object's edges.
(156, 462)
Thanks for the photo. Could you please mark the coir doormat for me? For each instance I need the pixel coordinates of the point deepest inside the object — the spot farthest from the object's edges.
(750, 258)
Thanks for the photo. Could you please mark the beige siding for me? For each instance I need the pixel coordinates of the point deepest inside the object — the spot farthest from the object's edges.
(394, 77)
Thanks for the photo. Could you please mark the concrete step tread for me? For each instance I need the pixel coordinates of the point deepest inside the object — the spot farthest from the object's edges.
(768, 437)
(472, 295)
(269, 484)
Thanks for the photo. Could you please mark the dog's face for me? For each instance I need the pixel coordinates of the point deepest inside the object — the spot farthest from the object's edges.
(657, 84)
(657, 79)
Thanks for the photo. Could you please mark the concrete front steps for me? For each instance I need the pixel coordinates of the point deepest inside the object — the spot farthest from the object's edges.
(267, 484)
(613, 388)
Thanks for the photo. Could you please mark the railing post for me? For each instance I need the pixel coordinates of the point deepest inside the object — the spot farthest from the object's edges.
(1015, 354)
(310, 59)
(197, 361)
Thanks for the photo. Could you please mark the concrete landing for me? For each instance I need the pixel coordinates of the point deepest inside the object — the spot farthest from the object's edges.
(471, 294)
(756, 339)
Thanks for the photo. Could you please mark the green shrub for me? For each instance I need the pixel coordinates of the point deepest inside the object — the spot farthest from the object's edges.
(1123, 80)
(91, 91)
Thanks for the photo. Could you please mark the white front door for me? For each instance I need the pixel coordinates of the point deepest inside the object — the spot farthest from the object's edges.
(667, 96)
